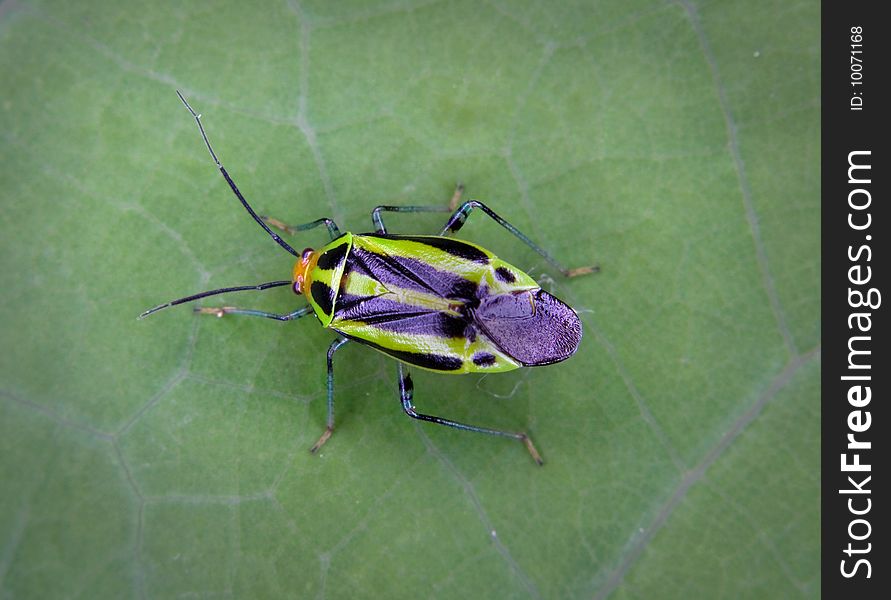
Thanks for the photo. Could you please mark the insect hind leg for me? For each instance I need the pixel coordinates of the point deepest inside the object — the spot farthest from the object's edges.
(406, 393)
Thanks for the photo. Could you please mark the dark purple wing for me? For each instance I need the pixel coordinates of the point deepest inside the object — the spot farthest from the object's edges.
(532, 327)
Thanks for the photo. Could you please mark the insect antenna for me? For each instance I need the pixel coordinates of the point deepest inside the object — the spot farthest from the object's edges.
(241, 288)
(232, 185)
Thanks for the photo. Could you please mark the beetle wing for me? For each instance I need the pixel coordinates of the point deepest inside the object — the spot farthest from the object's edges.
(532, 326)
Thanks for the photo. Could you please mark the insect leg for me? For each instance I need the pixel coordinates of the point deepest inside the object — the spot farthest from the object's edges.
(457, 220)
(329, 428)
(406, 392)
(378, 221)
(219, 311)
(333, 229)
(456, 197)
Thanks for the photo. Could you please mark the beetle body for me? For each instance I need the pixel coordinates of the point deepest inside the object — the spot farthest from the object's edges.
(436, 302)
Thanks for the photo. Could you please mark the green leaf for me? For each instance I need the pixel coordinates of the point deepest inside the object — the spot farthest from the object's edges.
(675, 144)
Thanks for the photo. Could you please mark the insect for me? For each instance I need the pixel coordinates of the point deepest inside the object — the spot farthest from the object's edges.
(429, 301)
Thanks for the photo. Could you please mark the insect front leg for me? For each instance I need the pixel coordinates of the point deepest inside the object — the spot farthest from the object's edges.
(219, 311)
(333, 229)
(329, 428)
(459, 217)
(406, 393)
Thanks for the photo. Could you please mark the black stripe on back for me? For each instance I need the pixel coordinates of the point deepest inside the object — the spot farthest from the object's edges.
(435, 362)
(455, 248)
(323, 295)
(428, 323)
(449, 245)
(333, 257)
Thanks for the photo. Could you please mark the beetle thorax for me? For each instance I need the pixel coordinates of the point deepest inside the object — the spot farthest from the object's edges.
(302, 269)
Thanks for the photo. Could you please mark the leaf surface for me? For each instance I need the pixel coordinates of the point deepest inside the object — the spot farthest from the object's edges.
(674, 144)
